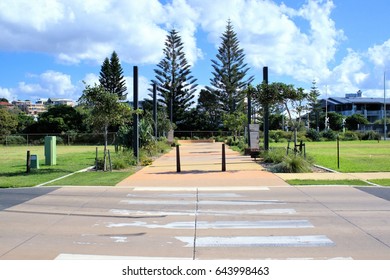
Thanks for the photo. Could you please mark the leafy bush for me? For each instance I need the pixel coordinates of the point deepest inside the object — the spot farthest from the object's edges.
(275, 155)
(371, 135)
(276, 135)
(120, 160)
(14, 140)
(237, 141)
(292, 164)
(329, 135)
(349, 136)
(313, 134)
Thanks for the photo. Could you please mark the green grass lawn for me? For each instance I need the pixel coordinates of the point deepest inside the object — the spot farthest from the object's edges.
(69, 159)
(327, 182)
(93, 178)
(382, 182)
(355, 156)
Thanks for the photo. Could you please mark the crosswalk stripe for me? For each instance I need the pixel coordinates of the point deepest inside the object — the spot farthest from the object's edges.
(195, 188)
(258, 241)
(206, 212)
(202, 202)
(220, 224)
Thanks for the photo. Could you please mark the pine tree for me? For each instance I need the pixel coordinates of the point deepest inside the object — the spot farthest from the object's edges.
(111, 76)
(314, 105)
(229, 72)
(176, 85)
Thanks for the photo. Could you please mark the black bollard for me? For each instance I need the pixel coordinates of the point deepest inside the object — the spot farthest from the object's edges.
(178, 168)
(28, 163)
(223, 158)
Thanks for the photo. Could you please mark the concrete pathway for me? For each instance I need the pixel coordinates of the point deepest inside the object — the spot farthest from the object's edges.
(201, 166)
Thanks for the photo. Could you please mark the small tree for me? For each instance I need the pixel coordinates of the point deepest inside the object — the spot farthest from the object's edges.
(208, 106)
(106, 110)
(352, 122)
(8, 122)
(268, 95)
(235, 122)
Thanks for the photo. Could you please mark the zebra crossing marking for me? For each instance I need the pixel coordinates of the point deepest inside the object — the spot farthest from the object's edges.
(258, 241)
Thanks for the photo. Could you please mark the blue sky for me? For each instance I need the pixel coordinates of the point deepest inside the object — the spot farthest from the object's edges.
(48, 47)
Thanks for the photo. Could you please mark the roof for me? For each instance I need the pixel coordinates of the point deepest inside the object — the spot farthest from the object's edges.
(357, 100)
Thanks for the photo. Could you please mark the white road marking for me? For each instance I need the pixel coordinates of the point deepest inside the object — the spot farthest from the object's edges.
(119, 239)
(126, 212)
(258, 241)
(195, 188)
(187, 195)
(239, 202)
(203, 202)
(220, 224)
(107, 257)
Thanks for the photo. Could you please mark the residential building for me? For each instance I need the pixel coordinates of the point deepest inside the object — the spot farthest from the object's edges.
(60, 101)
(33, 109)
(40, 106)
(6, 105)
(355, 103)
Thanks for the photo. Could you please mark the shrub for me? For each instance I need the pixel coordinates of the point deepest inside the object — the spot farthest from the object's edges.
(329, 135)
(292, 164)
(14, 140)
(276, 135)
(275, 155)
(371, 135)
(313, 134)
(119, 160)
(349, 136)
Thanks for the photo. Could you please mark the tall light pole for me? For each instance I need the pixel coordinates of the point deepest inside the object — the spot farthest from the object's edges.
(326, 109)
(384, 106)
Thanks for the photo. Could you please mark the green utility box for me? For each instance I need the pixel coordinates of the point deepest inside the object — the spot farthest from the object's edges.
(50, 150)
(34, 161)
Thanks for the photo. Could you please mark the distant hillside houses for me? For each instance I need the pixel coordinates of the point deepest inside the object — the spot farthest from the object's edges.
(355, 103)
(41, 105)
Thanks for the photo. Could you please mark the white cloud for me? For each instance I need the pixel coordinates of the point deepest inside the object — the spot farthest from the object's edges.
(349, 75)
(380, 54)
(299, 43)
(47, 84)
(91, 79)
(184, 17)
(144, 85)
(74, 30)
(7, 94)
(270, 37)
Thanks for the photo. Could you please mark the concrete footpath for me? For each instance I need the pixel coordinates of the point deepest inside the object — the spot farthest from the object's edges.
(201, 166)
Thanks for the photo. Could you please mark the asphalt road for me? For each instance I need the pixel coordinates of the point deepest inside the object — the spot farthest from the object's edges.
(195, 223)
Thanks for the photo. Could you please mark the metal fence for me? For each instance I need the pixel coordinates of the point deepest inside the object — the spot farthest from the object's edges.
(374, 127)
(63, 138)
(201, 134)
(95, 138)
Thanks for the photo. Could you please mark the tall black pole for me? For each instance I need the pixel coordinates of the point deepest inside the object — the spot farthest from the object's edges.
(155, 109)
(249, 116)
(266, 112)
(135, 116)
